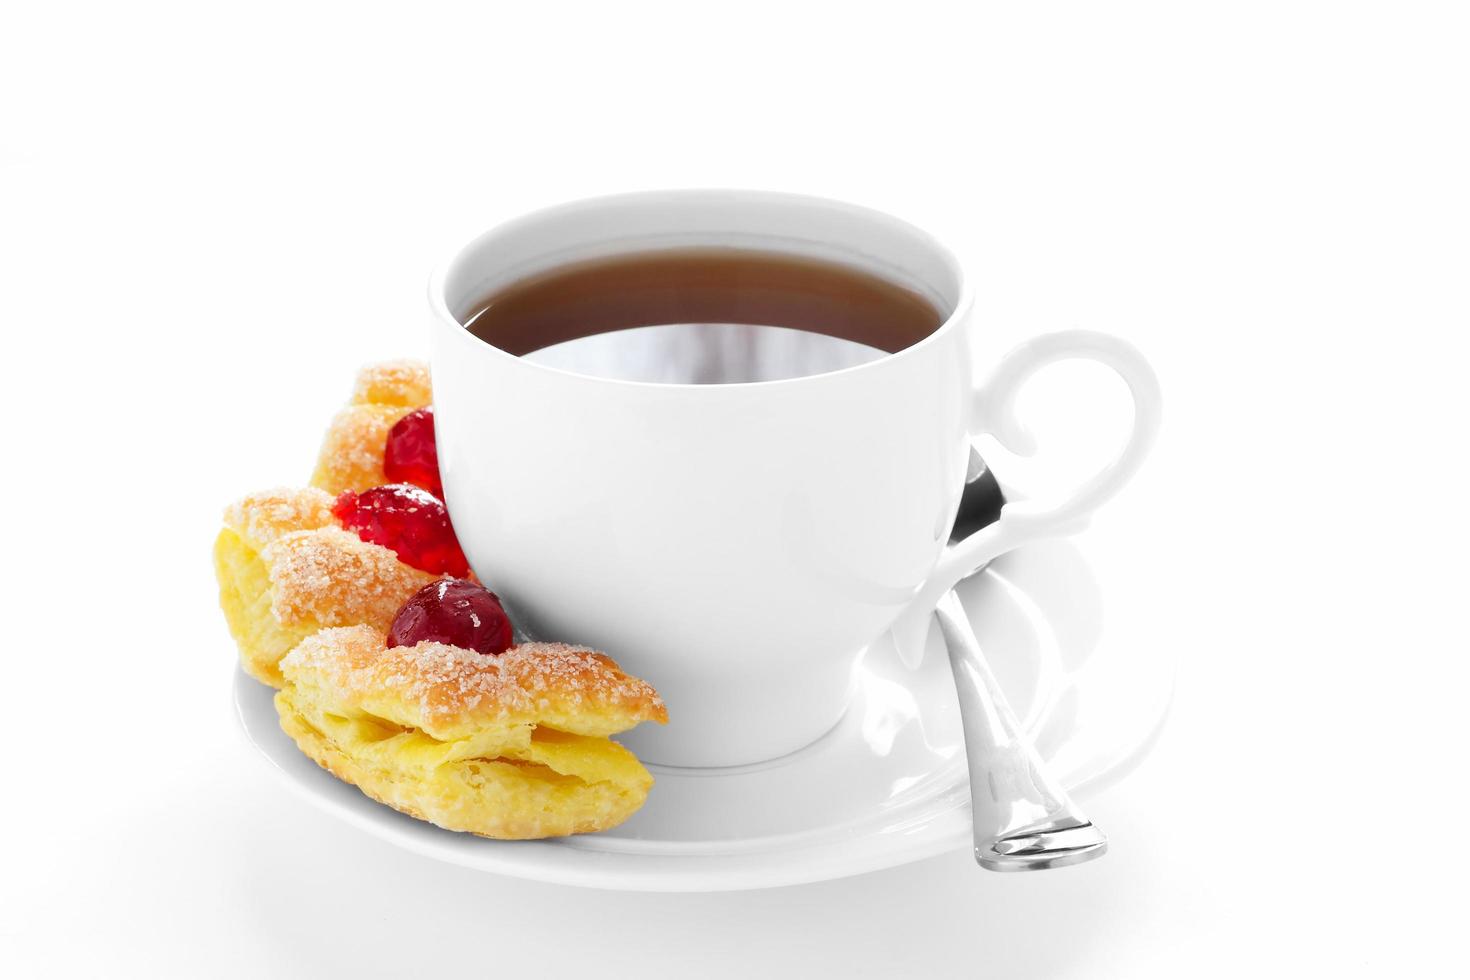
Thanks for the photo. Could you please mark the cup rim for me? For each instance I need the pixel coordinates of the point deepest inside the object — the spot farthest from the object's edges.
(439, 306)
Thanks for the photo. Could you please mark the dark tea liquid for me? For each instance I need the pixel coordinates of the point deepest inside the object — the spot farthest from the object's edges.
(704, 315)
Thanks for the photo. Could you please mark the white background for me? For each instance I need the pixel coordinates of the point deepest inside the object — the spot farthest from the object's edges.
(209, 216)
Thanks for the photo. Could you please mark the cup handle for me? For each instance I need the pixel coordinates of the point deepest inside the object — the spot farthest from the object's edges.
(1025, 521)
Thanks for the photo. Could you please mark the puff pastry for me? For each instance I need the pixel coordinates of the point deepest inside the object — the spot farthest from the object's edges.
(351, 456)
(510, 746)
(286, 570)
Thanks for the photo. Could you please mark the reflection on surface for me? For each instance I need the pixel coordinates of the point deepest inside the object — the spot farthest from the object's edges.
(890, 708)
(705, 353)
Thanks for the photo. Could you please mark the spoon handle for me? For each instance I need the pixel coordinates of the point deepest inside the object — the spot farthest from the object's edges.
(1024, 820)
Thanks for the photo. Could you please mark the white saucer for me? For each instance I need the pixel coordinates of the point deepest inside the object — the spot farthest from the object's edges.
(886, 786)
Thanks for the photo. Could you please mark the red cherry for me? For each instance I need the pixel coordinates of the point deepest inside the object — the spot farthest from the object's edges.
(407, 519)
(412, 455)
(453, 611)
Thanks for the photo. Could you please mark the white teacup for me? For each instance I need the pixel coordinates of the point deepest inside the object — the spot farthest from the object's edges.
(738, 545)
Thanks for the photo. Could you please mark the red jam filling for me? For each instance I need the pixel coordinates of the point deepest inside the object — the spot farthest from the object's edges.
(464, 614)
(412, 455)
(409, 520)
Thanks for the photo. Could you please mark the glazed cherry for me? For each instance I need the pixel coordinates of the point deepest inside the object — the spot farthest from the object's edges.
(453, 611)
(407, 519)
(412, 456)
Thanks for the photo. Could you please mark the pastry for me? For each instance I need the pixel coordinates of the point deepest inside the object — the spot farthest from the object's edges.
(352, 453)
(287, 567)
(397, 670)
(512, 746)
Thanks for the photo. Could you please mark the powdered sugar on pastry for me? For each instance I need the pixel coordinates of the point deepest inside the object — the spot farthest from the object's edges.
(404, 383)
(352, 450)
(351, 456)
(449, 692)
(261, 518)
(333, 577)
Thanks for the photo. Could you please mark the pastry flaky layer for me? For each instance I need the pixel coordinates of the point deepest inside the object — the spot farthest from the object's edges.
(351, 457)
(511, 746)
(286, 569)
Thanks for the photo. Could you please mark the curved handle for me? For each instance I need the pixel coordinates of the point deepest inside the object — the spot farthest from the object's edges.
(1024, 521)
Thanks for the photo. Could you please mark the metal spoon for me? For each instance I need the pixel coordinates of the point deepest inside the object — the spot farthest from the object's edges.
(1023, 819)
